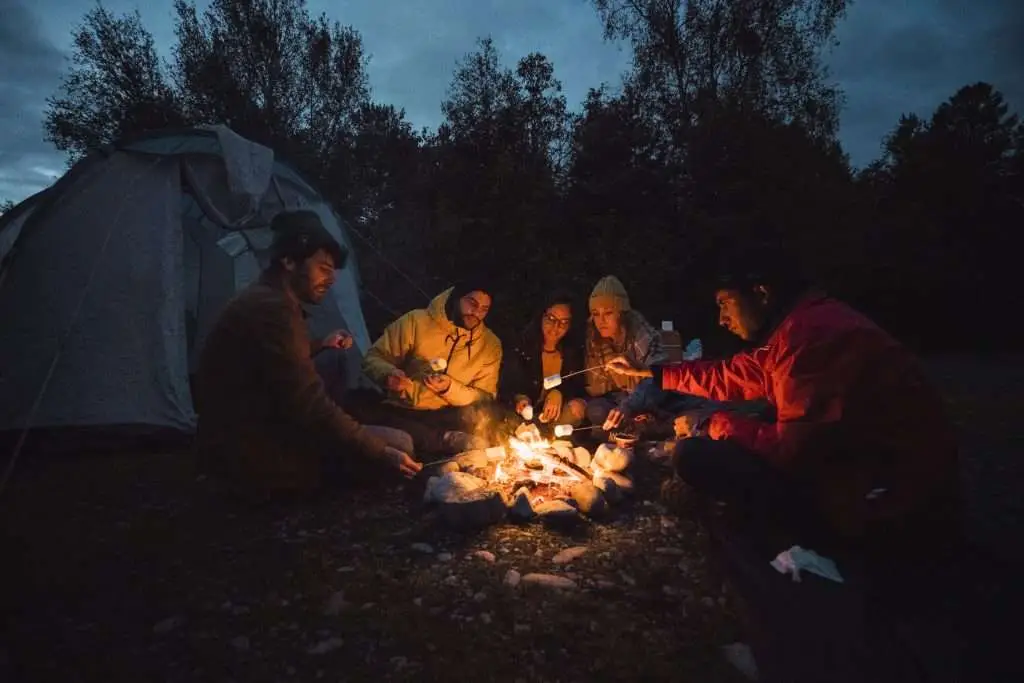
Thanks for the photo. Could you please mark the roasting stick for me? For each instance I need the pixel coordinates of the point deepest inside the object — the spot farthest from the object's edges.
(568, 430)
(552, 381)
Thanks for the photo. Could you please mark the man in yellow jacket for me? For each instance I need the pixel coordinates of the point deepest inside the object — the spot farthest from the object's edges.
(439, 367)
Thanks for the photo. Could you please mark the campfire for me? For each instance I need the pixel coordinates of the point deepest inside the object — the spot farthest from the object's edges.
(530, 476)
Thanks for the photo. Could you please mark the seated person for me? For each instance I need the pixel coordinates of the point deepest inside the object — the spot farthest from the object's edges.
(266, 424)
(546, 347)
(443, 408)
(615, 330)
(861, 464)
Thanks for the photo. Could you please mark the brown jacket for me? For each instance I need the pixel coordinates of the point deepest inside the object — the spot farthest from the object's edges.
(265, 421)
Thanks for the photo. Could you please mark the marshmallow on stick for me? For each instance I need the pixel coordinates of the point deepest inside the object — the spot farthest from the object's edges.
(439, 365)
(552, 381)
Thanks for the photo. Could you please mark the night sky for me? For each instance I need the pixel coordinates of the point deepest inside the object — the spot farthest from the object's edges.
(894, 56)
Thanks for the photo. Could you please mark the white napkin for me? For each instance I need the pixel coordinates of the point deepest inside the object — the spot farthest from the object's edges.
(797, 559)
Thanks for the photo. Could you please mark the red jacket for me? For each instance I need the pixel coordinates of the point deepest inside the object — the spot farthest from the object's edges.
(855, 413)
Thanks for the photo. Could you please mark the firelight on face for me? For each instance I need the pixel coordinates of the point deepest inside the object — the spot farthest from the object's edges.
(606, 320)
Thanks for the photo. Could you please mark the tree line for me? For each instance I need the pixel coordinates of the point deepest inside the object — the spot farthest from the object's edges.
(722, 135)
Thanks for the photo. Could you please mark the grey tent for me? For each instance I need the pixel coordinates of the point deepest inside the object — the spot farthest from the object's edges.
(111, 278)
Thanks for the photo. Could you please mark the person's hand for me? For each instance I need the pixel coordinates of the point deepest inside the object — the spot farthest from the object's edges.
(615, 418)
(397, 381)
(339, 339)
(552, 406)
(402, 462)
(521, 405)
(620, 365)
(438, 383)
(685, 426)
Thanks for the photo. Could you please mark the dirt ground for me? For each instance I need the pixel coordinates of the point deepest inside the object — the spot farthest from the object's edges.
(126, 568)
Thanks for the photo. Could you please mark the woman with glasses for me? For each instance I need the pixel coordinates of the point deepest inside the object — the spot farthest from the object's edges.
(546, 347)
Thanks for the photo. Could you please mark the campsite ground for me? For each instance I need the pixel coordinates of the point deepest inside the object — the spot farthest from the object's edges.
(124, 568)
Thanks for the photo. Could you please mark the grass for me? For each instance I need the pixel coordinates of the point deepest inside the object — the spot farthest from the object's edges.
(128, 568)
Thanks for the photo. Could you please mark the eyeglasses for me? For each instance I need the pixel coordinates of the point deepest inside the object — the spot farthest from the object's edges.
(558, 322)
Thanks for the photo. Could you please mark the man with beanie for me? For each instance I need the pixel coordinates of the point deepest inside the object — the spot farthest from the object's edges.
(266, 424)
(439, 367)
(616, 330)
(860, 466)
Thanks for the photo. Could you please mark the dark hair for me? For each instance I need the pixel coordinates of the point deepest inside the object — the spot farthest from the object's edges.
(531, 334)
(300, 234)
(770, 265)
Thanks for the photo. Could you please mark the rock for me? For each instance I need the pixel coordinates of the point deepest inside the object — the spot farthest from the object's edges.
(549, 581)
(612, 493)
(521, 509)
(582, 456)
(557, 513)
(590, 500)
(335, 604)
(444, 557)
(473, 509)
(742, 658)
(561, 443)
(424, 548)
(451, 486)
(569, 554)
(512, 578)
(496, 453)
(472, 460)
(240, 643)
(479, 596)
(325, 646)
(485, 555)
(624, 483)
(448, 467)
(167, 625)
(564, 450)
(670, 551)
(612, 458)
(486, 618)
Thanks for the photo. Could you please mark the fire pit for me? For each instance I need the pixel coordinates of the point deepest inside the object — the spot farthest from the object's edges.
(530, 477)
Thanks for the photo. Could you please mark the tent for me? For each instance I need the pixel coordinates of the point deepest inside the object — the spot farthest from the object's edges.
(111, 279)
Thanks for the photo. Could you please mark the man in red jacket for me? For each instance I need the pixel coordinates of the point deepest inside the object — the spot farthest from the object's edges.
(861, 436)
(860, 465)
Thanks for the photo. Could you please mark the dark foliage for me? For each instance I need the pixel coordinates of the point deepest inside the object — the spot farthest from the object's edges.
(723, 136)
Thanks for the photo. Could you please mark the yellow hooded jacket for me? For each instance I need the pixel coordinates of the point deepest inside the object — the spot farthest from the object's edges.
(425, 334)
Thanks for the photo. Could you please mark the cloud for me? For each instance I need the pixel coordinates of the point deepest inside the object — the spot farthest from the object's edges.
(415, 45)
(910, 56)
(895, 56)
(32, 68)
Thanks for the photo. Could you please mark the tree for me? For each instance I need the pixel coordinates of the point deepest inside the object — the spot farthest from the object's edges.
(758, 56)
(947, 196)
(498, 160)
(6, 206)
(115, 87)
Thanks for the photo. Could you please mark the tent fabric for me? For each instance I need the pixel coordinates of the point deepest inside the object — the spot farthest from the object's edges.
(120, 269)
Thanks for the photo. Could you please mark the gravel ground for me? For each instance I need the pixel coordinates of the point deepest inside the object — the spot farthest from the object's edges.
(127, 568)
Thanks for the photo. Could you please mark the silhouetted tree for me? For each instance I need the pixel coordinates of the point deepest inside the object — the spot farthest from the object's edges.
(115, 86)
(947, 199)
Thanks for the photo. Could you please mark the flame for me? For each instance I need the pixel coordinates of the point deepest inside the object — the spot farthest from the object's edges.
(499, 475)
(531, 448)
